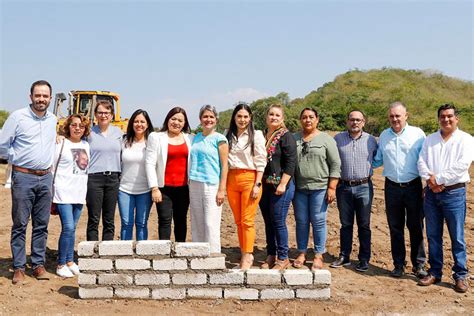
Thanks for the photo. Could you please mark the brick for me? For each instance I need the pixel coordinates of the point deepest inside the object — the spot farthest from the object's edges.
(139, 292)
(263, 277)
(170, 264)
(189, 278)
(153, 247)
(241, 294)
(322, 277)
(132, 264)
(86, 248)
(277, 294)
(152, 279)
(318, 294)
(204, 293)
(298, 277)
(86, 279)
(97, 292)
(116, 248)
(192, 249)
(211, 263)
(168, 294)
(230, 277)
(94, 264)
(115, 279)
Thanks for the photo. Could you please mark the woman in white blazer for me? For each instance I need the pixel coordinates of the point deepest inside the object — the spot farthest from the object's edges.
(167, 167)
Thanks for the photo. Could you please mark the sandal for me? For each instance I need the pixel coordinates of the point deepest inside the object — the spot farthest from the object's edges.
(246, 261)
(317, 263)
(281, 264)
(299, 262)
(269, 262)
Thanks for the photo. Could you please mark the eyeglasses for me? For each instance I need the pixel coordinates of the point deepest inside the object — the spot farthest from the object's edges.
(103, 113)
(304, 148)
(356, 120)
(77, 125)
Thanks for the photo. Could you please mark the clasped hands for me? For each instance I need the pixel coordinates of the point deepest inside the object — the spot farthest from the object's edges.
(435, 187)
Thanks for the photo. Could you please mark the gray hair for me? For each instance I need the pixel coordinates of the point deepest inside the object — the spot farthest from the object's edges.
(210, 108)
(397, 104)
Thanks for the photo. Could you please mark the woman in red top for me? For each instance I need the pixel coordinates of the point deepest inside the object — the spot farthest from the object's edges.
(167, 155)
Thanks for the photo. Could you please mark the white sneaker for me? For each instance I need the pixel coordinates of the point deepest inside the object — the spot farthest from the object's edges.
(74, 268)
(64, 272)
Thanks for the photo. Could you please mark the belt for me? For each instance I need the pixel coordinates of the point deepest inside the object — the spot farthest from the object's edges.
(454, 186)
(36, 172)
(403, 184)
(354, 183)
(106, 173)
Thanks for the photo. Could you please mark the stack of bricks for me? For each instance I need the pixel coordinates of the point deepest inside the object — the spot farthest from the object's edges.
(157, 269)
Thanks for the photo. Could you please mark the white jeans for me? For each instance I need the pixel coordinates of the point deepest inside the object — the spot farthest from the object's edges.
(205, 214)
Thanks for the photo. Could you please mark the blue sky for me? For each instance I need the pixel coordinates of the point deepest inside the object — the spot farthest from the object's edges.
(158, 54)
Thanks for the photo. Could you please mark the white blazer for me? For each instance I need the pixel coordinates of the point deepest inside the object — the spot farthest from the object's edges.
(157, 155)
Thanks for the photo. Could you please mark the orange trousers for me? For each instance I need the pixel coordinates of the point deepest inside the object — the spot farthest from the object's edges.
(240, 184)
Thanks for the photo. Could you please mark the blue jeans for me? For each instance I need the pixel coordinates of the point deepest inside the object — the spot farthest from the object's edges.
(355, 201)
(310, 207)
(274, 211)
(69, 215)
(449, 206)
(127, 204)
(31, 196)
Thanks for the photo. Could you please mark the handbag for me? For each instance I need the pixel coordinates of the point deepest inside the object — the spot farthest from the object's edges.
(54, 209)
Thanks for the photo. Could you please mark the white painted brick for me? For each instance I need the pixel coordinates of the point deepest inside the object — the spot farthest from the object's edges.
(318, 294)
(95, 264)
(116, 248)
(204, 293)
(140, 292)
(168, 294)
(192, 249)
(86, 279)
(241, 294)
(153, 247)
(322, 277)
(230, 277)
(97, 292)
(189, 278)
(263, 277)
(152, 279)
(170, 264)
(115, 279)
(86, 248)
(298, 277)
(211, 263)
(132, 264)
(277, 294)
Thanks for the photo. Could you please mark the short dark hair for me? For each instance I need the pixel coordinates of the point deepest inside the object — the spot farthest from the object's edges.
(448, 106)
(106, 104)
(309, 109)
(357, 110)
(130, 134)
(84, 121)
(173, 111)
(41, 83)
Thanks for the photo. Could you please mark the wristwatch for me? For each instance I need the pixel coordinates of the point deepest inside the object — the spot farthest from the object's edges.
(258, 184)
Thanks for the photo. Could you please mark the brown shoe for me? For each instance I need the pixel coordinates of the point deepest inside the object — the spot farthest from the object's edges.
(428, 280)
(317, 263)
(269, 262)
(40, 273)
(299, 261)
(18, 276)
(461, 285)
(281, 264)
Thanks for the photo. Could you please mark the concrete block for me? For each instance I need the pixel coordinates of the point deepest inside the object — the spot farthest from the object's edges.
(322, 277)
(170, 264)
(192, 249)
(210, 263)
(152, 279)
(97, 292)
(153, 247)
(263, 277)
(298, 277)
(204, 293)
(94, 264)
(277, 294)
(168, 294)
(86, 248)
(317, 294)
(115, 279)
(116, 248)
(127, 292)
(241, 294)
(86, 279)
(132, 264)
(230, 277)
(189, 278)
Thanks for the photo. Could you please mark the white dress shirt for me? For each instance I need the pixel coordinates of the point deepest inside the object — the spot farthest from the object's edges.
(240, 156)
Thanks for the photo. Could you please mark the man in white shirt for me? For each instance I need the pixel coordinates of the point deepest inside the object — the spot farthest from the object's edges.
(444, 163)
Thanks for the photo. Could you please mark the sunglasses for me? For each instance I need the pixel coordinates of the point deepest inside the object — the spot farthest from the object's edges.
(304, 148)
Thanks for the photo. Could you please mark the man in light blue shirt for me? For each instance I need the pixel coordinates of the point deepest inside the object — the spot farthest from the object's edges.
(398, 152)
(28, 142)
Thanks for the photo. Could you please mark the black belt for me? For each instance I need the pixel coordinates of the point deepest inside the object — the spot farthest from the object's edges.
(354, 183)
(106, 173)
(454, 186)
(403, 184)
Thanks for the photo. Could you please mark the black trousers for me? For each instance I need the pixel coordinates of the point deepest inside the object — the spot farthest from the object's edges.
(102, 193)
(174, 206)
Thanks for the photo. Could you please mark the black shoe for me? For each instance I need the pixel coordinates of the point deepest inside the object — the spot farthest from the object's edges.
(398, 272)
(420, 272)
(362, 266)
(340, 262)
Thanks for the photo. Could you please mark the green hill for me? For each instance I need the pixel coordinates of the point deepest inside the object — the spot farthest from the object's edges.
(372, 91)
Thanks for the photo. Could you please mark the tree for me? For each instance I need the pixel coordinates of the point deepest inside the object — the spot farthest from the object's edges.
(3, 117)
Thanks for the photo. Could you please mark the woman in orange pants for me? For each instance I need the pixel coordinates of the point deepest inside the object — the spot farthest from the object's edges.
(247, 160)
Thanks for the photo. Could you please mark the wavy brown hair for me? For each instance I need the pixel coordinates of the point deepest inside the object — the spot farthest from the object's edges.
(84, 121)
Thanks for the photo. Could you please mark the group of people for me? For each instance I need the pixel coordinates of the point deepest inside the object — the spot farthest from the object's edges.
(271, 169)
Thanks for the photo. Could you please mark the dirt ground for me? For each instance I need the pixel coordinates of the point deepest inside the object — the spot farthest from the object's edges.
(374, 292)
